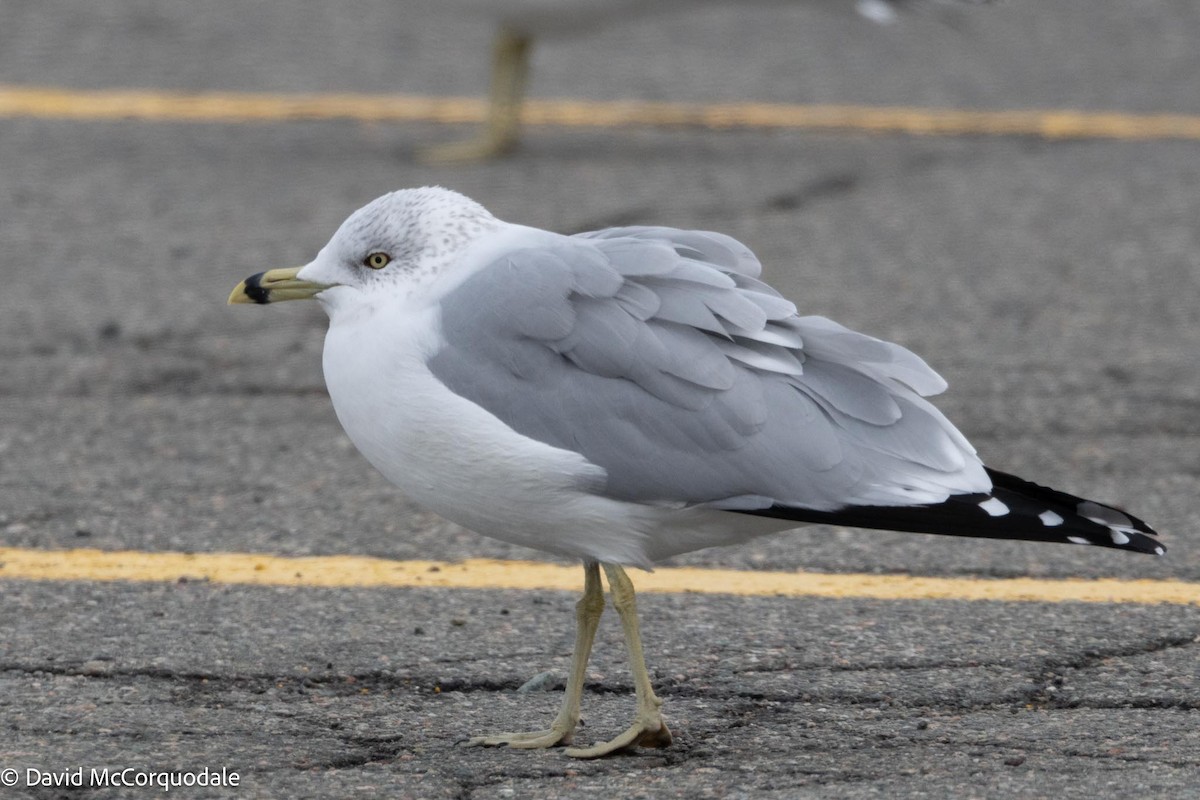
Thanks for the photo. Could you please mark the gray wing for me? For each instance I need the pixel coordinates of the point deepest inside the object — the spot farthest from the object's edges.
(659, 355)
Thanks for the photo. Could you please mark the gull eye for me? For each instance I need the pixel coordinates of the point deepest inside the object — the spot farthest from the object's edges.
(377, 260)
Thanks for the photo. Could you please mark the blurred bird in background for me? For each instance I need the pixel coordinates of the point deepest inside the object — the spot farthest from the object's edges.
(519, 22)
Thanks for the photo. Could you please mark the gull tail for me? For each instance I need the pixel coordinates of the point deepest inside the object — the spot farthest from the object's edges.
(1014, 509)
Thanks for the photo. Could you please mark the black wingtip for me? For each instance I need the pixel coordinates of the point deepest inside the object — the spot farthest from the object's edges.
(1015, 509)
(1123, 530)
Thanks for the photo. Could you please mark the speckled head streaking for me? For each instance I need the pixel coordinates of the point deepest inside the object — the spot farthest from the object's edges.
(393, 247)
(402, 239)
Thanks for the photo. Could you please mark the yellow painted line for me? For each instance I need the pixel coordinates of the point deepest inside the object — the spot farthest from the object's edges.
(258, 569)
(235, 107)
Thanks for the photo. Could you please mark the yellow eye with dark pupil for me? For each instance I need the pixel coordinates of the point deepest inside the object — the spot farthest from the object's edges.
(377, 260)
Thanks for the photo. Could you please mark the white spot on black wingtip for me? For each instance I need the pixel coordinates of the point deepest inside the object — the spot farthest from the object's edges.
(1159, 550)
(1121, 529)
(1078, 540)
(1050, 519)
(994, 507)
(1103, 515)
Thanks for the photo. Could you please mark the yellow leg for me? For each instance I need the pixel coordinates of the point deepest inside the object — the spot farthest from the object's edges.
(587, 619)
(510, 69)
(648, 728)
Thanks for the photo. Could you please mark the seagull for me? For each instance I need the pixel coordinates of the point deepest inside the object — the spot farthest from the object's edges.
(519, 23)
(630, 394)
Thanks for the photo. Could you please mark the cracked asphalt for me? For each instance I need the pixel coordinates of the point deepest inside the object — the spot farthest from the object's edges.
(1055, 284)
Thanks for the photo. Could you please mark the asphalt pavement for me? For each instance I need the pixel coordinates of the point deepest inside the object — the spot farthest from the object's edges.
(1055, 284)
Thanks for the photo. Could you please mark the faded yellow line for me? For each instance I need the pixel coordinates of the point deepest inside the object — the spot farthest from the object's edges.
(258, 569)
(234, 107)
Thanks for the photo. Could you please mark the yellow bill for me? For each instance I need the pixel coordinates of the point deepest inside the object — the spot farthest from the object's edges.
(274, 286)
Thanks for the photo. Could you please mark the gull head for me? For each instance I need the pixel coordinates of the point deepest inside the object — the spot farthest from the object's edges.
(394, 246)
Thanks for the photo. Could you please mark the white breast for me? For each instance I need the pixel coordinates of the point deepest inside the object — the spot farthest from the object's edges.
(458, 460)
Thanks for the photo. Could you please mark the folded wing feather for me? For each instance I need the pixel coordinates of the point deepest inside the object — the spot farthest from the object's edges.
(659, 355)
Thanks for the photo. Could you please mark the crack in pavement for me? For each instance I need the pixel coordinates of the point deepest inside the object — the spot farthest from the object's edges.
(369, 750)
(1043, 676)
(1092, 656)
(1087, 658)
